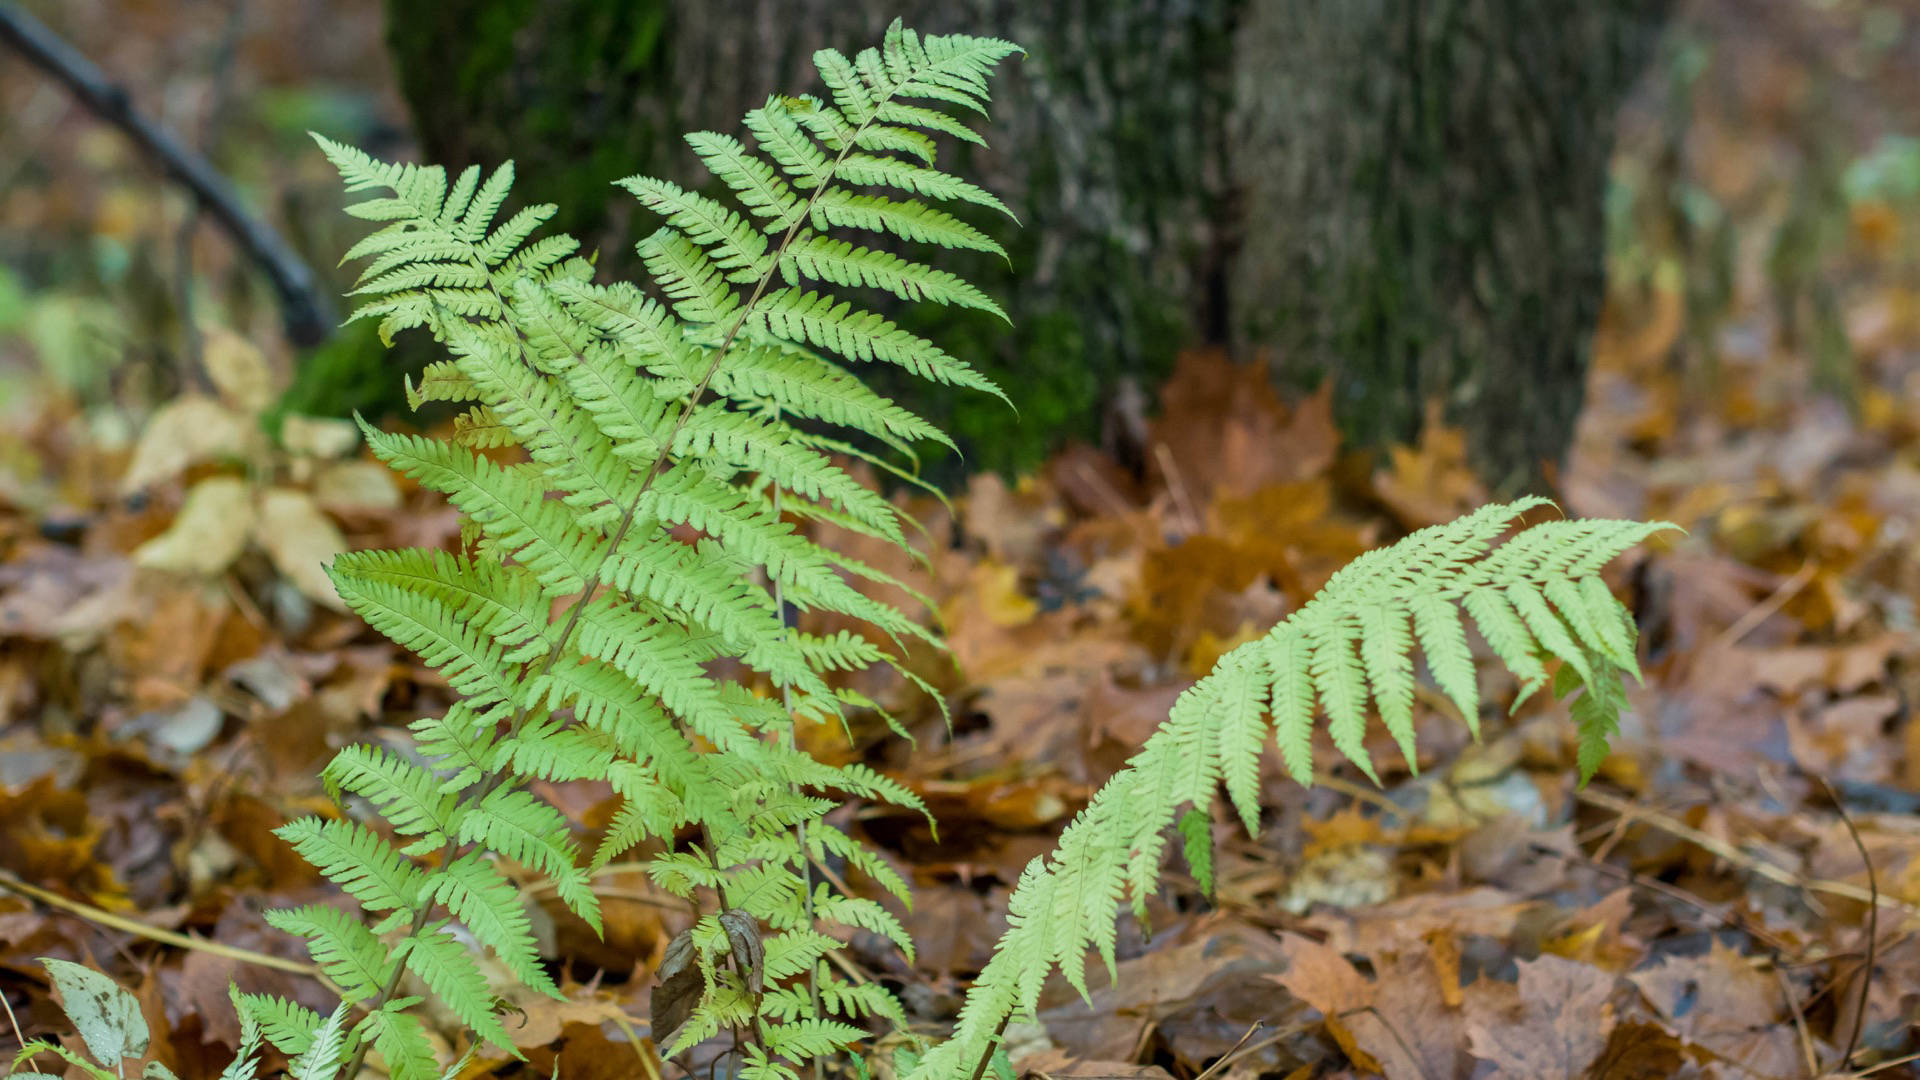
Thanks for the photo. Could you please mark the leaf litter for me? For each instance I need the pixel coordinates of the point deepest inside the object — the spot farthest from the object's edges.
(174, 669)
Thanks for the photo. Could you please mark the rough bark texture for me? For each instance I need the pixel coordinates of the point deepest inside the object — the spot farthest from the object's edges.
(1425, 182)
(1404, 193)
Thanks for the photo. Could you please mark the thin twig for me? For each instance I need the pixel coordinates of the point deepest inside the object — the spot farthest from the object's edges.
(1885, 1065)
(1807, 1051)
(1359, 793)
(1177, 487)
(1760, 867)
(1873, 927)
(153, 933)
(305, 310)
(1228, 1056)
(18, 1035)
(1781, 949)
(1412, 1058)
(1765, 609)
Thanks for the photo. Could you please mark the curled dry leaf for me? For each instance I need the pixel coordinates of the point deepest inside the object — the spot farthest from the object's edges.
(681, 985)
(743, 938)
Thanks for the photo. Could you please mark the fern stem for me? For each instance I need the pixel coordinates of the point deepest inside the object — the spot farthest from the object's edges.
(986, 1058)
(799, 827)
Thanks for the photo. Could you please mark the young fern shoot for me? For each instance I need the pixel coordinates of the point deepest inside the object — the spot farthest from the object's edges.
(636, 464)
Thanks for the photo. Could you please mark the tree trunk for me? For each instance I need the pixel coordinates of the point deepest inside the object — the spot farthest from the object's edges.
(1426, 182)
(1403, 193)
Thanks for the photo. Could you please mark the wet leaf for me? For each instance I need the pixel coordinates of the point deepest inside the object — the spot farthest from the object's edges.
(105, 1016)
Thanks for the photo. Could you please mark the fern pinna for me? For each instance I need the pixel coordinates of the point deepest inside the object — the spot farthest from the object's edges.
(637, 462)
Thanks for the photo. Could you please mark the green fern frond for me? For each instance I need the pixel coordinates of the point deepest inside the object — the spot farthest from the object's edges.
(819, 319)
(631, 476)
(475, 892)
(905, 219)
(357, 860)
(289, 1027)
(345, 949)
(321, 1060)
(838, 262)
(445, 965)
(409, 796)
(526, 830)
(804, 1039)
(1348, 647)
(401, 1041)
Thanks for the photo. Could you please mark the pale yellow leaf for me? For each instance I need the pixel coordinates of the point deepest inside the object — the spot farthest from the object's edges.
(302, 539)
(183, 433)
(319, 436)
(357, 486)
(238, 369)
(209, 532)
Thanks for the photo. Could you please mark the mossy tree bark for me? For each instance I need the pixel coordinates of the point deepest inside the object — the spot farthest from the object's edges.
(1405, 194)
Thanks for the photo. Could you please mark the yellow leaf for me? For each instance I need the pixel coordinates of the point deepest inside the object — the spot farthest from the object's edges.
(319, 436)
(207, 535)
(356, 485)
(302, 540)
(238, 369)
(185, 432)
(1000, 596)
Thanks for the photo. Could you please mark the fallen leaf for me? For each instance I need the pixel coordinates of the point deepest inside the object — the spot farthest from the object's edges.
(238, 369)
(323, 437)
(1723, 1002)
(209, 532)
(301, 540)
(1324, 979)
(362, 487)
(184, 432)
(1551, 1026)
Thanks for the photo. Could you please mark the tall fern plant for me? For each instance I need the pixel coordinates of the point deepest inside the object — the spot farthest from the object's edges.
(630, 468)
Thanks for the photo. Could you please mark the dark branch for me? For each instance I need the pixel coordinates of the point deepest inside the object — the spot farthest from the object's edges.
(306, 311)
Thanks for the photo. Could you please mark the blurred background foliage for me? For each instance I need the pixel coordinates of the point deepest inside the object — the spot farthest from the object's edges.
(1804, 191)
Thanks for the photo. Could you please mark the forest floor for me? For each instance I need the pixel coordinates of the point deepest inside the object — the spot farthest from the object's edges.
(1736, 894)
